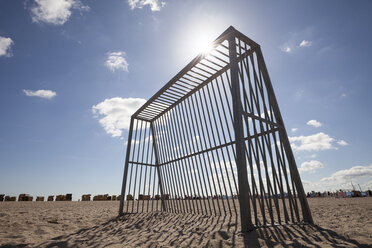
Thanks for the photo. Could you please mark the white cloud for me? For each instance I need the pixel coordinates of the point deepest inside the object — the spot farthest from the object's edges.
(55, 12)
(314, 123)
(46, 94)
(305, 43)
(116, 61)
(342, 143)
(351, 174)
(115, 113)
(286, 49)
(315, 142)
(310, 166)
(294, 130)
(343, 95)
(5, 46)
(342, 179)
(155, 5)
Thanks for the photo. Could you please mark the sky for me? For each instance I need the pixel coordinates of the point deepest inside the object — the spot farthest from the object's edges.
(72, 73)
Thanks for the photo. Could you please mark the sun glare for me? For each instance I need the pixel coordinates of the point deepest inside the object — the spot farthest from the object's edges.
(202, 43)
(196, 39)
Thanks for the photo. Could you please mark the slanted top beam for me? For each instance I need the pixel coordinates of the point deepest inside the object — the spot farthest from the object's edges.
(200, 71)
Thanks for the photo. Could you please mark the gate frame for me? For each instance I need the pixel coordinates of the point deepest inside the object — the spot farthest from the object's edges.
(245, 209)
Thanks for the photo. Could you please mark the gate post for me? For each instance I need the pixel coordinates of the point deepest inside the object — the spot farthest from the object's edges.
(157, 167)
(241, 163)
(126, 167)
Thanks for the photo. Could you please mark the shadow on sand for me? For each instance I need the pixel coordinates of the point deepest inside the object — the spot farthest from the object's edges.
(186, 230)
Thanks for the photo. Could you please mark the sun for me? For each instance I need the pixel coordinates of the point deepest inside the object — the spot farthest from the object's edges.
(195, 39)
(202, 43)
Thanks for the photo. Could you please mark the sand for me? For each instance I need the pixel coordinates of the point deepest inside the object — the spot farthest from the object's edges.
(339, 223)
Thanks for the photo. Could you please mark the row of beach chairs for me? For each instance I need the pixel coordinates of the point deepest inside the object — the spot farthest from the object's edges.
(27, 197)
(104, 197)
(68, 197)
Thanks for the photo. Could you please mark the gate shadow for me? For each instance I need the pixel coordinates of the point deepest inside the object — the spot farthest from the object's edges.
(187, 230)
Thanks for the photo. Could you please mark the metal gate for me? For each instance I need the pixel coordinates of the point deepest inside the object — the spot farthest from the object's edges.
(212, 141)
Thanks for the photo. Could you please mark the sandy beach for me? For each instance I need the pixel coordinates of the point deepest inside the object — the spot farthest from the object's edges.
(342, 222)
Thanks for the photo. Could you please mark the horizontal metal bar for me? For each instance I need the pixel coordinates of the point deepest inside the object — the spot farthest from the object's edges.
(261, 119)
(198, 73)
(150, 111)
(165, 100)
(208, 66)
(191, 80)
(199, 68)
(222, 53)
(197, 78)
(255, 136)
(183, 83)
(171, 95)
(216, 57)
(139, 163)
(183, 89)
(212, 62)
(141, 119)
(144, 117)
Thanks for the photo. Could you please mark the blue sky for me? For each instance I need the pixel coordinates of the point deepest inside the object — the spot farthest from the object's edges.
(72, 72)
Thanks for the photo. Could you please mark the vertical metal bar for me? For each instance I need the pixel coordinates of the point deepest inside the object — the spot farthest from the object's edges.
(146, 140)
(168, 149)
(210, 144)
(266, 139)
(125, 175)
(143, 155)
(179, 163)
(227, 125)
(245, 211)
(164, 153)
(215, 143)
(225, 141)
(144, 187)
(168, 186)
(285, 175)
(280, 178)
(219, 140)
(202, 155)
(249, 155)
(249, 103)
(190, 128)
(151, 169)
(253, 102)
(131, 169)
(190, 110)
(137, 165)
(261, 145)
(149, 192)
(188, 151)
(175, 182)
(283, 133)
(157, 165)
(153, 190)
(176, 126)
